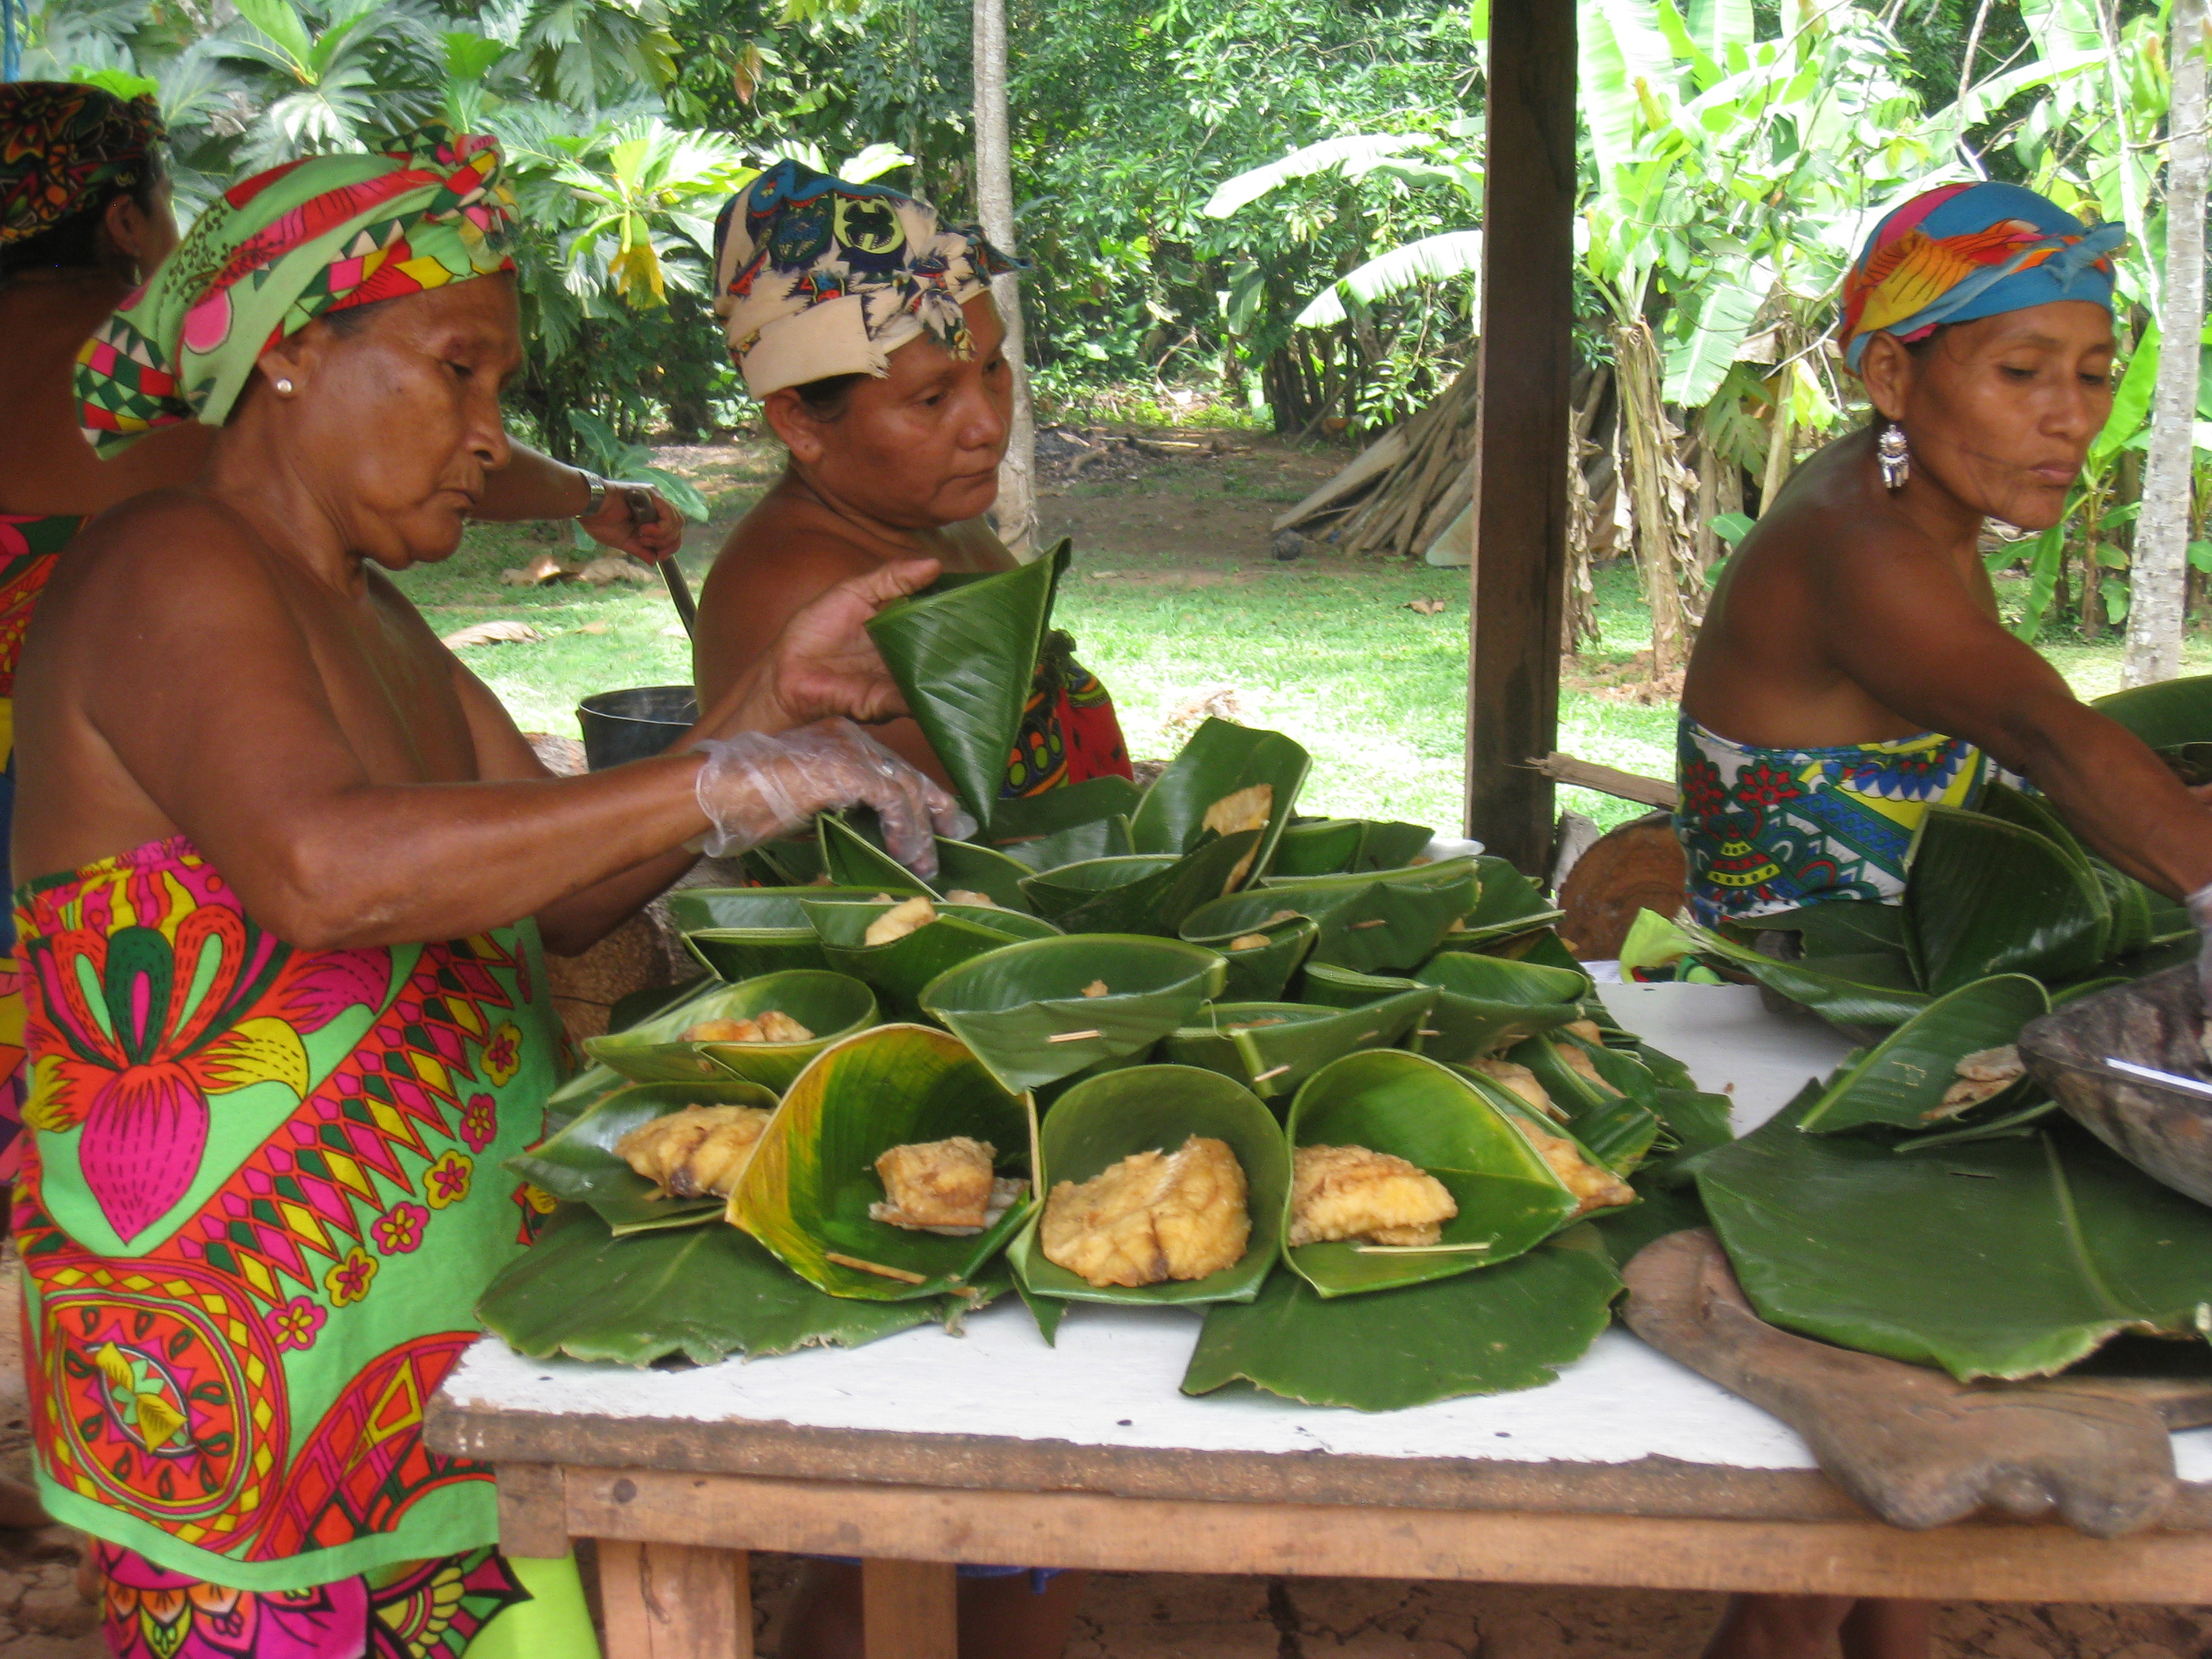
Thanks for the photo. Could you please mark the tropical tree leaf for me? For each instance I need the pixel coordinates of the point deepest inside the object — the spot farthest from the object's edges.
(2165, 715)
(1258, 972)
(831, 1006)
(1348, 152)
(1870, 988)
(1220, 759)
(1321, 847)
(742, 933)
(1487, 1003)
(580, 1164)
(1143, 1108)
(1511, 1327)
(1342, 987)
(2001, 1258)
(1388, 1101)
(1901, 1081)
(1272, 1047)
(704, 1292)
(964, 657)
(964, 866)
(1027, 1011)
(1725, 305)
(1389, 920)
(1988, 897)
(1144, 893)
(852, 860)
(1615, 1121)
(898, 971)
(1016, 825)
(1432, 259)
(1507, 906)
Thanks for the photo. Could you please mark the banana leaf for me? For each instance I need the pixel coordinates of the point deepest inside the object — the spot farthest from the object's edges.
(1391, 845)
(1617, 1124)
(1840, 928)
(1221, 758)
(1319, 846)
(1901, 1081)
(1511, 1327)
(1388, 1101)
(1869, 988)
(2001, 1258)
(1079, 843)
(1340, 988)
(2034, 1108)
(806, 1192)
(742, 933)
(854, 859)
(1272, 1047)
(2166, 715)
(1024, 819)
(1156, 901)
(964, 658)
(580, 1164)
(1155, 1109)
(704, 1293)
(898, 971)
(964, 866)
(1022, 1010)
(1987, 897)
(1486, 1003)
(831, 1006)
(791, 861)
(1507, 906)
(1388, 920)
(579, 1094)
(1257, 973)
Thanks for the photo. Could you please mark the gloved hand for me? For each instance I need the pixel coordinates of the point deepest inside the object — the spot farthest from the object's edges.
(755, 788)
(2200, 912)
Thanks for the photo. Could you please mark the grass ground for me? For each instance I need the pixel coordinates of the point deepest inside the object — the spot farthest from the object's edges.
(1174, 601)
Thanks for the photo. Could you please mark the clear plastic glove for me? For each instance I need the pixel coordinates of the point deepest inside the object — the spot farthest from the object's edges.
(2200, 912)
(755, 788)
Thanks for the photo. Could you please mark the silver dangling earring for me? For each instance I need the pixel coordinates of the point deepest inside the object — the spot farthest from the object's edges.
(284, 390)
(1896, 459)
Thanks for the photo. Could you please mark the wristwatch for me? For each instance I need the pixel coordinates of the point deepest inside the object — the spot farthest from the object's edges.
(597, 497)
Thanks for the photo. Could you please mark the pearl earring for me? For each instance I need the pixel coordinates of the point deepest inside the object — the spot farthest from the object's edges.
(284, 390)
(1894, 456)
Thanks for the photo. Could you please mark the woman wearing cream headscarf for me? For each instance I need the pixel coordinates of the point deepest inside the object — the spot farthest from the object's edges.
(287, 1013)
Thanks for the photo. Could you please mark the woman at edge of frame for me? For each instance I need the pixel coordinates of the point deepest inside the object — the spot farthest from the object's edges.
(1853, 669)
(280, 1047)
(866, 329)
(85, 219)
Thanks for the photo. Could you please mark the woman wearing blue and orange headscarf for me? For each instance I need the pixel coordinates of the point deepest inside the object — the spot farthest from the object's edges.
(1852, 668)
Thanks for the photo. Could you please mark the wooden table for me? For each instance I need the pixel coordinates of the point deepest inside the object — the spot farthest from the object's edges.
(1629, 1471)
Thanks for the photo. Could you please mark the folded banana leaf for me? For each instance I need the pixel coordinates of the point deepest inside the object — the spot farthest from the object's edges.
(831, 1006)
(898, 971)
(1988, 897)
(1507, 906)
(2165, 715)
(742, 933)
(577, 1095)
(792, 861)
(1120, 895)
(1537, 1125)
(854, 859)
(1869, 988)
(2001, 1258)
(1614, 1117)
(1155, 1109)
(2031, 1107)
(1258, 972)
(964, 867)
(1029, 1012)
(702, 1292)
(1511, 1327)
(1221, 759)
(1487, 1003)
(807, 1191)
(1386, 921)
(1841, 928)
(1321, 846)
(1340, 987)
(580, 1164)
(1900, 1082)
(1272, 1047)
(1387, 1101)
(1079, 843)
(964, 656)
(2140, 917)
(1088, 806)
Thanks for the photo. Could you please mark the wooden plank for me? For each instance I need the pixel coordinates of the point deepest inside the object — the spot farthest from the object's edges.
(1519, 571)
(909, 1610)
(1996, 1563)
(1605, 779)
(1380, 456)
(668, 1601)
(532, 1510)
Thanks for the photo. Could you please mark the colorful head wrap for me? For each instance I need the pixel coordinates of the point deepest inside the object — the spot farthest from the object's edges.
(814, 276)
(280, 249)
(60, 142)
(1967, 250)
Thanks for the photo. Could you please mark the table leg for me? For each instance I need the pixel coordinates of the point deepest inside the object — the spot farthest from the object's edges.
(675, 1602)
(909, 1610)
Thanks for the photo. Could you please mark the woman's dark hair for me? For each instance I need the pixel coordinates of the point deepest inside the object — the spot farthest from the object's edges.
(74, 243)
(825, 398)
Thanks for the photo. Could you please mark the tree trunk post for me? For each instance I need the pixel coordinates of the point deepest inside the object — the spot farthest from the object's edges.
(2158, 586)
(1016, 511)
(1521, 451)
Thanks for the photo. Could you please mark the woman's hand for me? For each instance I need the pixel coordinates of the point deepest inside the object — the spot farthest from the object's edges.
(636, 520)
(755, 788)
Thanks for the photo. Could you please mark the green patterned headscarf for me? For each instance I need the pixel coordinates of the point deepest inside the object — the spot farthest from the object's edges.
(276, 251)
(60, 144)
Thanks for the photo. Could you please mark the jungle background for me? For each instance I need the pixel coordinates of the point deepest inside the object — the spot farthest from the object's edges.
(1254, 228)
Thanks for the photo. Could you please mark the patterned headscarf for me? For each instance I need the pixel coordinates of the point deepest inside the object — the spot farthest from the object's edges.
(60, 142)
(280, 249)
(814, 276)
(1967, 250)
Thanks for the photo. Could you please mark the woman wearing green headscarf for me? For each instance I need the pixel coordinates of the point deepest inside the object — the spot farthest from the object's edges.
(287, 1012)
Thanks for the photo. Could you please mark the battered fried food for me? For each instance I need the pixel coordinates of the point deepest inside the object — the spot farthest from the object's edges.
(1523, 1082)
(964, 896)
(1096, 988)
(1588, 1030)
(1247, 809)
(1577, 1060)
(1247, 941)
(698, 1151)
(899, 920)
(1983, 1075)
(1152, 1217)
(1595, 1186)
(769, 1025)
(943, 1187)
(1352, 1192)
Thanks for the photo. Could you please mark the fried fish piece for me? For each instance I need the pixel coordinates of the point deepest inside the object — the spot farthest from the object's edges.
(1247, 941)
(1245, 809)
(899, 920)
(1152, 1217)
(1353, 1192)
(769, 1025)
(1981, 1075)
(1595, 1186)
(1523, 1082)
(694, 1151)
(943, 1187)
(967, 896)
(1588, 1030)
(1577, 1060)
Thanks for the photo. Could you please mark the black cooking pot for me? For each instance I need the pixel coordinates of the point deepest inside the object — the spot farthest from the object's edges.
(632, 725)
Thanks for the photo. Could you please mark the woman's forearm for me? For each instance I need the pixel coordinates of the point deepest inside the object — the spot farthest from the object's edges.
(533, 485)
(572, 926)
(2114, 792)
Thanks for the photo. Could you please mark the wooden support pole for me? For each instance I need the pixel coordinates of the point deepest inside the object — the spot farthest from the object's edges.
(909, 1610)
(675, 1602)
(1521, 437)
